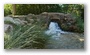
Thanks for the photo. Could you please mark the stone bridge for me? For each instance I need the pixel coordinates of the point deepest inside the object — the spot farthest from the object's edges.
(65, 21)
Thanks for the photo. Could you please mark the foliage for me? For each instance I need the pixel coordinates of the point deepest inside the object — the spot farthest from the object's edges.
(24, 9)
(7, 9)
(26, 37)
(77, 10)
(36, 8)
(80, 24)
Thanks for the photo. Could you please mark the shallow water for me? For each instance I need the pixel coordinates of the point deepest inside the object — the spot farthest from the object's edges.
(61, 39)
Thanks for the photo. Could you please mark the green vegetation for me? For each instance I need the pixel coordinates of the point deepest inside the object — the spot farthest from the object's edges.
(7, 9)
(80, 24)
(26, 37)
(24, 9)
(31, 36)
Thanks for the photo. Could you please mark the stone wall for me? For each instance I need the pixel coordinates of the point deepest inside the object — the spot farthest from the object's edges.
(65, 21)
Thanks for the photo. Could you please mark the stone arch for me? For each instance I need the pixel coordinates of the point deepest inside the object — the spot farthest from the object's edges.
(55, 20)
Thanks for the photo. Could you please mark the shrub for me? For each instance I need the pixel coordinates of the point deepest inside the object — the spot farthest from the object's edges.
(7, 9)
(80, 24)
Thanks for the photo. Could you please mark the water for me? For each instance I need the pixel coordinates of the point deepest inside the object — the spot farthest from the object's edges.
(54, 30)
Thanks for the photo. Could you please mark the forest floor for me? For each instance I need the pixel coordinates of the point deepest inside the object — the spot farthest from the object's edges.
(66, 41)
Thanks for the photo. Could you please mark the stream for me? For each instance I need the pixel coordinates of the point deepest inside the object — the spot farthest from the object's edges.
(63, 40)
(54, 30)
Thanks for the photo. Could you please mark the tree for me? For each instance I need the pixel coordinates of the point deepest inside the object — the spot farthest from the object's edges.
(13, 9)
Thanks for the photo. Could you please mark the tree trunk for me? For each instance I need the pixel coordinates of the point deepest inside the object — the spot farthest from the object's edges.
(13, 9)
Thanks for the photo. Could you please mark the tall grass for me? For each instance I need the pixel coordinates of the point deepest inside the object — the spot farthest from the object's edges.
(26, 37)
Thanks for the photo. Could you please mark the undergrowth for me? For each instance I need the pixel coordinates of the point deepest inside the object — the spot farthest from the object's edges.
(80, 24)
(26, 37)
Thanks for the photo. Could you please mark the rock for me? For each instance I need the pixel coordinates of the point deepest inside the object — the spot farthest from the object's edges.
(19, 22)
(31, 20)
(8, 28)
(15, 21)
(68, 16)
(30, 16)
(65, 21)
(81, 40)
(8, 19)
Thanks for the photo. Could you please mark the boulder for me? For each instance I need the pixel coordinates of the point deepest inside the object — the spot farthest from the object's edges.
(8, 28)
(8, 20)
(16, 21)
(19, 22)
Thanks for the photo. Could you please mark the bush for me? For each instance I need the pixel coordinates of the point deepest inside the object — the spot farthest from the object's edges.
(80, 24)
(7, 9)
